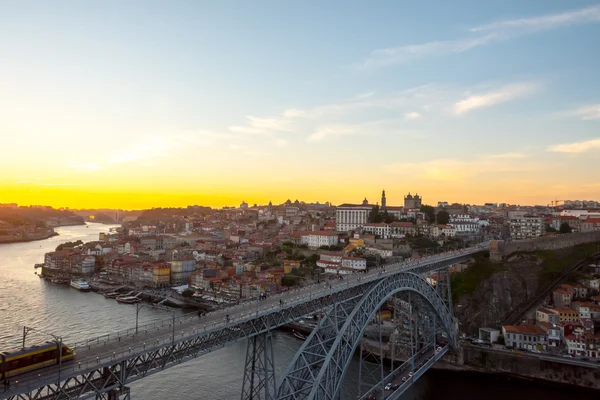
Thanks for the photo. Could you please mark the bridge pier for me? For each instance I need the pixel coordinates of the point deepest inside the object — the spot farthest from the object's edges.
(259, 372)
(318, 368)
(123, 393)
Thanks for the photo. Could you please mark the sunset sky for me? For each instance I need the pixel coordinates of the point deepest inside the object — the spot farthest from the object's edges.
(135, 104)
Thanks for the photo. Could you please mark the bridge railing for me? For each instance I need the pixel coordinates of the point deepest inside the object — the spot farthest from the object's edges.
(127, 352)
(129, 342)
(119, 336)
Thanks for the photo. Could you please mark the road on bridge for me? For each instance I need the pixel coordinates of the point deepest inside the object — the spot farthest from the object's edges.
(92, 353)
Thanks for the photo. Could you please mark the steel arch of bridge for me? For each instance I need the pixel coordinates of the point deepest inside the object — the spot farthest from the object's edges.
(108, 366)
(317, 370)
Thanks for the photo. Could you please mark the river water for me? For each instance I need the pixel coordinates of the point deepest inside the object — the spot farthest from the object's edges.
(26, 300)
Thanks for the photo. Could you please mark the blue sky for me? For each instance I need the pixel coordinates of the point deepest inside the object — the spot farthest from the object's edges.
(463, 101)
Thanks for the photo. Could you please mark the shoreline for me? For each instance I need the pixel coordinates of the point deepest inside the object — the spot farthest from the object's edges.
(47, 236)
(29, 240)
(444, 367)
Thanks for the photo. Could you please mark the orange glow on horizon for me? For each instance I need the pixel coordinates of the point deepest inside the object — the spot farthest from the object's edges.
(80, 197)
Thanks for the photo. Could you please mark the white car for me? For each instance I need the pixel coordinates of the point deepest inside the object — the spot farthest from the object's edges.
(388, 386)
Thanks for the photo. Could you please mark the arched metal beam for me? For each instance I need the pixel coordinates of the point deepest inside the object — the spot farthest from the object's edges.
(321, 363)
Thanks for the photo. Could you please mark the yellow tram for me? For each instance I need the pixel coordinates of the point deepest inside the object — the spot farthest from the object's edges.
(24, 360)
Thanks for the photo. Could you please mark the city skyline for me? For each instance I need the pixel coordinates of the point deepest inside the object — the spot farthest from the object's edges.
(141, 104)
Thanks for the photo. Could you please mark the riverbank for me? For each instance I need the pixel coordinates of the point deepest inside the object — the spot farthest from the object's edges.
(74, 223)
(527, 367)
(45, 236)
(446, 372)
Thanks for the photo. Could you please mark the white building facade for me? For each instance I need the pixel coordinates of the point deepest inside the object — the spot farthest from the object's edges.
(317, 239)
(350, 217)
(526, 227)
(356, 263)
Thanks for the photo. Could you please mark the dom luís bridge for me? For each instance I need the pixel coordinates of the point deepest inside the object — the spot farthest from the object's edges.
(393, 353)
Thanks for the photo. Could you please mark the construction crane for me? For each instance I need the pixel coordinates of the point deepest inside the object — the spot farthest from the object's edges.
(555, 204)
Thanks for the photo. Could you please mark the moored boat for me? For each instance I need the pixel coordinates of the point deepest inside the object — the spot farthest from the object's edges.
(80, 284)
(299, 335)
(128, 299)
(59, 280)
(111, 295)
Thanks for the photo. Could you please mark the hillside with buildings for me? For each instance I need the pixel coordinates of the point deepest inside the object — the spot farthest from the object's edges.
(487, 294)
(23, 224)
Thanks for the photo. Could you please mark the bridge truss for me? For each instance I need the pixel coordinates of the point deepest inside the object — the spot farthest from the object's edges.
(320, 364)
(318, 369)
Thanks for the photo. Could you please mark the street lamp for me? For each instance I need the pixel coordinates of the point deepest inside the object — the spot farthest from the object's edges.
(158, 306)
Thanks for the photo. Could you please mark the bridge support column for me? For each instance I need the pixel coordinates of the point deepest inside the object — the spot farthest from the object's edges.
(259, 373)
(124, 393)
(449, 292)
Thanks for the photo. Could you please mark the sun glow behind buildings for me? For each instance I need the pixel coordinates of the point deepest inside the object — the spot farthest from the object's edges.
(136, 117)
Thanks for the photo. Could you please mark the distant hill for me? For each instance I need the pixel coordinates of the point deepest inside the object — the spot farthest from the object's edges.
(108, 215)
(39, 215)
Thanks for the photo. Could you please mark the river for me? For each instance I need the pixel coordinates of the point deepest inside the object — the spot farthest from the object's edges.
(26, 300)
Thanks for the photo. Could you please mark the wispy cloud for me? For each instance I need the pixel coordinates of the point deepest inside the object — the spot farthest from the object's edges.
(58, 184)
(258, 126)
(576, 147)
(453, 169)
(404, 99)
(328, 132)
(412, 115)
(482, 35)
(544, 22)
(402, 54)
(326, 120)
(387, 127)
(149, 148)
(86, 167)
(502, 95)
(281, 143)
(588, 112)
(507, 156)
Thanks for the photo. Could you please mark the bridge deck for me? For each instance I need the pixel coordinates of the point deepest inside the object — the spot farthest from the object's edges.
(111, 349)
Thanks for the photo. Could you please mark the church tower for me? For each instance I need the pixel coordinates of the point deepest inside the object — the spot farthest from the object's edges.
(383, 201)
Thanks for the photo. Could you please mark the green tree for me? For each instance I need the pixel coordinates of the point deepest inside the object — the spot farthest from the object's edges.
(565, 228)
(388, 218)
(429, 212)
(550, 228)
(68, 245)
(374, 215)
(187, 293)
(443, 217)
(313, 258)
(289, 280)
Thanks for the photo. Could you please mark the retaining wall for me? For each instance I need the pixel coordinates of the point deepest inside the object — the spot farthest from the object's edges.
(500, 249)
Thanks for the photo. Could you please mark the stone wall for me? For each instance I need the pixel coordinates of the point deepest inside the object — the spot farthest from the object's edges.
(500, 249)
(528, 366)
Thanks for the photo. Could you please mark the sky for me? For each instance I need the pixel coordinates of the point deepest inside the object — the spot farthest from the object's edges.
(141, 103)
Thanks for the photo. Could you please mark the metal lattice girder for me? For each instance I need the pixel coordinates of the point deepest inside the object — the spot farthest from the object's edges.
(259, 371)
(105, 377)
(117, 366)
(313, 352)
(322, 380)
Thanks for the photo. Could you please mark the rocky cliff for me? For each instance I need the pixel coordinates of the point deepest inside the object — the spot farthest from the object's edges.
(486, 294)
